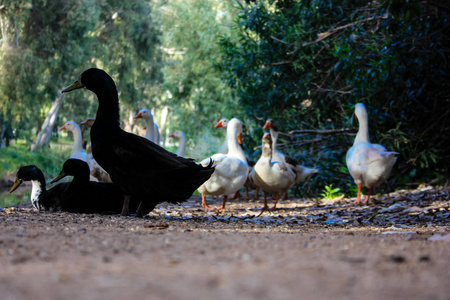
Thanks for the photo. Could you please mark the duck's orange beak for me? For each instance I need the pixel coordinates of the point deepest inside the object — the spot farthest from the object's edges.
(172, 135)
(267, 125)
(239, 138)
(84, 122)
(63, 127)
(138, 116)
(218, 125)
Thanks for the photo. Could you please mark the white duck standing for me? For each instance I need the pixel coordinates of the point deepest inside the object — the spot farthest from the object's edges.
(272, 176)
(231, 169)
(302, 172)
(223, 124)
(96, 171)
(369, 164)
(77, 149)
(181, 151)
(152, 130)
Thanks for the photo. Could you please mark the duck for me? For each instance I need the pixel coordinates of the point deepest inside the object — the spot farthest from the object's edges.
(151, 128)
(77, 149)
(302, 172)
(41, 198)
(96, 171)
(368, 164)
(231, 169)
(181, 151)
(223, 123)
(84, 196)
(141, 168)
(272, 176)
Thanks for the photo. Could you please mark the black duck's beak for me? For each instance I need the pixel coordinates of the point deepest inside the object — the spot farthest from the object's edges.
(74, 86)
(16, 184)
(60, 176)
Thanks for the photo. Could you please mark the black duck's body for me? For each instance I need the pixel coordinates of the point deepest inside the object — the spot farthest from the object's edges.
(84, 196)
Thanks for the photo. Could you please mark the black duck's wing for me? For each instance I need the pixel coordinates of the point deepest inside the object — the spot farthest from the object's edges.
(52, 199)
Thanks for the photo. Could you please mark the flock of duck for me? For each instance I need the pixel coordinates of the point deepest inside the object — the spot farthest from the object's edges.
(134, 173)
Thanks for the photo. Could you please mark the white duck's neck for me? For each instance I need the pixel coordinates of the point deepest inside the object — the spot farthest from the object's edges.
(181, 151)
(234, 149)
(150, 131)
(36, 190)
(274, 135)
(363, 133)
(77, 143)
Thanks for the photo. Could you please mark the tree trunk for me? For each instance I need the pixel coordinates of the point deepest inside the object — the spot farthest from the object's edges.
(43, 137)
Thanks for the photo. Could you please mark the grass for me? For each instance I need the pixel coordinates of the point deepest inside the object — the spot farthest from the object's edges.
(49, 160)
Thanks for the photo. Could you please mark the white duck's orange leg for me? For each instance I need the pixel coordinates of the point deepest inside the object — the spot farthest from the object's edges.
(368, 195)
(237, 195)
(224, 202)
(256, 193)
(265, 205)
(358, 196)
(277, 198)
(204, 204)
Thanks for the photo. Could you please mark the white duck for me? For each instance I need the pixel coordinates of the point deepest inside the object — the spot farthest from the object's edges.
(231, 169)
(273, 177)
(223, 124)
(77, 149)
(96, 171)
(369, 164)
(302, 172)
(181, 151)
(152, 130)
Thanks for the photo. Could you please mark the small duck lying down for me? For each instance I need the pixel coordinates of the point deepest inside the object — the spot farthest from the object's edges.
(78, 196)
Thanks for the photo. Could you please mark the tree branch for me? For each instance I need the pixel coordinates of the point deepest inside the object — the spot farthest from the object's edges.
(328, 33)
(327, 131)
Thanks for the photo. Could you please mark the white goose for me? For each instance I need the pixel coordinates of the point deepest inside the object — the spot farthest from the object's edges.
(181, 151)
(96, 171)
(368, 164)
(302, 172)
(77, 149)
(223, 124)
(272, 176)
(152, 130)
(231, 169)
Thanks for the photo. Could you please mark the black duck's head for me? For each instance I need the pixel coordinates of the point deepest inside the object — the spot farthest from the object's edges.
(26, 173)
(95, 80)
(73, 167)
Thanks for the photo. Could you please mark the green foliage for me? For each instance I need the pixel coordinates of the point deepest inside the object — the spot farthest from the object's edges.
(49, 160)
(306, 63)
(329, 193)
(47, 44)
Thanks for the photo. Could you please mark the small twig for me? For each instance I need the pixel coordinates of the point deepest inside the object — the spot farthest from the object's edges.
(325, 131)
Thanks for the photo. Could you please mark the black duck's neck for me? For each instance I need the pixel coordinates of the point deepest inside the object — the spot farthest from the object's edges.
(108, 108)
(81, 177)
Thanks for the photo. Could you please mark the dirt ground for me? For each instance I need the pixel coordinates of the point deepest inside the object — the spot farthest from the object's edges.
(394, 248)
